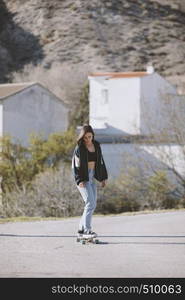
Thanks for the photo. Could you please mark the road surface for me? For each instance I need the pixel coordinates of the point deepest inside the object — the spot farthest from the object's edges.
(143, 245)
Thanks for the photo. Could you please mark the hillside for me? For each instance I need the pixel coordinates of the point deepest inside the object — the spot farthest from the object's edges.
(64, 40)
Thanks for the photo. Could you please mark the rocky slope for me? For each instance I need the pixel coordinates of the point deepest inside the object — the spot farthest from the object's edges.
(91, 35)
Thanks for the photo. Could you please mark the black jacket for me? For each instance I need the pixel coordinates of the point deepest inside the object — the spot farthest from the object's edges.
(80, 164)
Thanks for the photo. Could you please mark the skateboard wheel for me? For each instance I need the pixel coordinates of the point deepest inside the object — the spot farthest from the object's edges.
(96, 241)
(78, 240)
(83, 242)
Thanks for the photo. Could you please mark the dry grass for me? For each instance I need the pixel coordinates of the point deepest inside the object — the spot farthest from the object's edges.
(34, 219)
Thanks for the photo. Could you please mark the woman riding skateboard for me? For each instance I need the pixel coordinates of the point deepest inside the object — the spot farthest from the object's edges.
(88, 164)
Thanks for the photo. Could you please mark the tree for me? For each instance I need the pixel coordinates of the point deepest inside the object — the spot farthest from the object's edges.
(169, 139)
(80, 114)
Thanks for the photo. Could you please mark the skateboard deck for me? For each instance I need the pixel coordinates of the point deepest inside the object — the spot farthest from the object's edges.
(83, 239)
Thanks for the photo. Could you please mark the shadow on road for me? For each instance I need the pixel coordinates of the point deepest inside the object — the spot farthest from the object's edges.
(35, 235)
(147, 243)
(110, 236)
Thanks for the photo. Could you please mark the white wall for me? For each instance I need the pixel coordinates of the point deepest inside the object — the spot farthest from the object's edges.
(34, 110)
(98, 106)
(124, 94)
(120, 109)
(156, 105)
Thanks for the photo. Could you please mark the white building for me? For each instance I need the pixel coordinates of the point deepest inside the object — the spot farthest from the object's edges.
(130, 103)
(125, 110)
(28, 108)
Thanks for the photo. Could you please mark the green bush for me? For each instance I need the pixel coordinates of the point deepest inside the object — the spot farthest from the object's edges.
(19, 165)
(159, 190)
(114, 200)
(134, 192)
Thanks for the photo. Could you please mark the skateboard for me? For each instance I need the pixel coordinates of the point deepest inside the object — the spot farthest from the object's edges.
(85, 239)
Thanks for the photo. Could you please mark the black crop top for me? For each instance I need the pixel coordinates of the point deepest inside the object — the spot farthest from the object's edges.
(92, 156)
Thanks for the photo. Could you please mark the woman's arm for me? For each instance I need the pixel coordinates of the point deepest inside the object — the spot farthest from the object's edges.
(76, 165)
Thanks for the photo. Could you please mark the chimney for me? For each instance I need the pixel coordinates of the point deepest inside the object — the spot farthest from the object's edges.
(150, 69)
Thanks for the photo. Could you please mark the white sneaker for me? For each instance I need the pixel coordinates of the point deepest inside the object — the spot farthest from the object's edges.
(90, 233)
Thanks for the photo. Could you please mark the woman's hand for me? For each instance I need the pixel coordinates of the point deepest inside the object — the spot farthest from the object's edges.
(82, 184)
(103, 183)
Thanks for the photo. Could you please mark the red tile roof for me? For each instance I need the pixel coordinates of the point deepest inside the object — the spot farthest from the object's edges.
(114, 75)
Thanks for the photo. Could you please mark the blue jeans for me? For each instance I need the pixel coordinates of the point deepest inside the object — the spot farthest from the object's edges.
(89, 195)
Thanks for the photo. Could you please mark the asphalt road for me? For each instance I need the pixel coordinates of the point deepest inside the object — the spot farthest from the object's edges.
(145, 245)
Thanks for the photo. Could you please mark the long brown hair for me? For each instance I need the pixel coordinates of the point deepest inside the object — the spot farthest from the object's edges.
(86, 128)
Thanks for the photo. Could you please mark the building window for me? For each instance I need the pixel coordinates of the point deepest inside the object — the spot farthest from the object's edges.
(104, 98)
